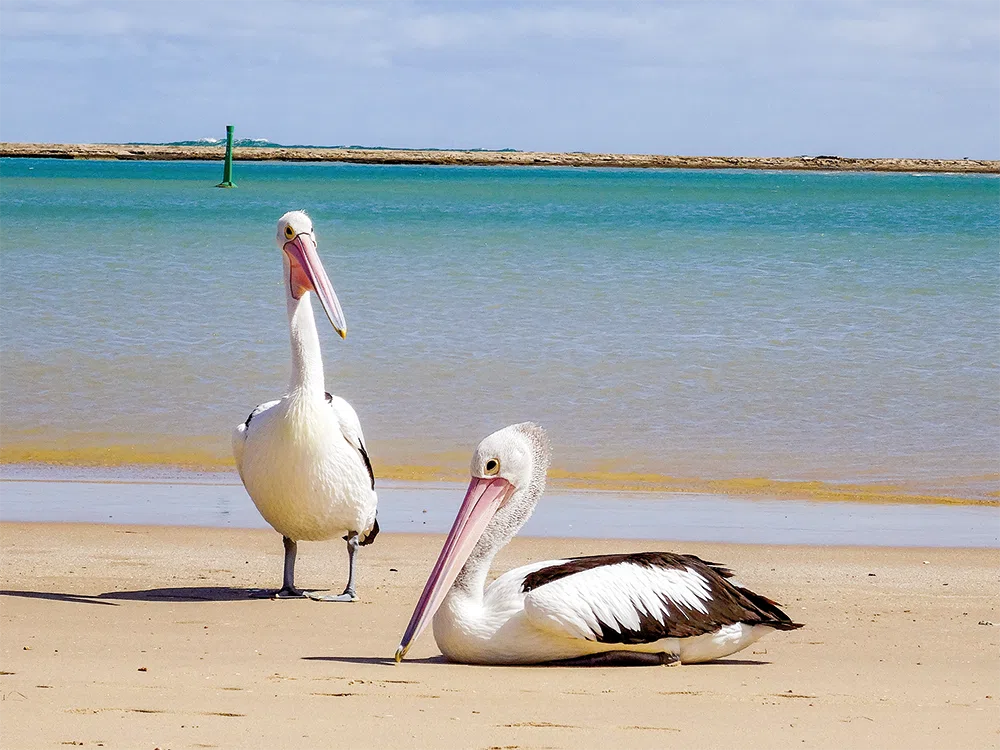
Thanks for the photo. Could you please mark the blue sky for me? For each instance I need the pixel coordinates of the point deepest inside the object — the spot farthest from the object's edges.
(866, 78)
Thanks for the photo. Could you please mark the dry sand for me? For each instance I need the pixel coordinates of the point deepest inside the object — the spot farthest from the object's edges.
(143, 637)
(140, 152)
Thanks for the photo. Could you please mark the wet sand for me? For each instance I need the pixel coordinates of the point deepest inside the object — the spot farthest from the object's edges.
(137, 152)
(143, 637)
(171, 498)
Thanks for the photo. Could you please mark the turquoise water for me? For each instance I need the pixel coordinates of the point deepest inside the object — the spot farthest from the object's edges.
(833, 327)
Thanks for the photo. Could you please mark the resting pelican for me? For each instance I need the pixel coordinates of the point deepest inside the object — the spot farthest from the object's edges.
(302, 458)
(645, 608)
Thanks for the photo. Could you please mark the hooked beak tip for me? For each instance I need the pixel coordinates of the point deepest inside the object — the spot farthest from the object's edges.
(400, 653)
(343, 333)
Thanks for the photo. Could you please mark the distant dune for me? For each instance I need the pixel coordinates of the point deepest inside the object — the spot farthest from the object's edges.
(134, 152)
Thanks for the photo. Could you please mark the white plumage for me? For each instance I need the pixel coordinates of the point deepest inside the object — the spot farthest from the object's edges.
(617, 595)
(567, 618)
(302, 458)
(302, 463)
(644, 608)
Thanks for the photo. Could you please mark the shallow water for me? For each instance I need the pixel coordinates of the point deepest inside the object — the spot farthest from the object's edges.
(837, 327)
(28, 494)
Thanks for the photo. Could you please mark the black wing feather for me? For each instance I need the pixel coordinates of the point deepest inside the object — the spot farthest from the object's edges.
(257, 410)
(729, 603)
(360, 446)
(371, 534)
(368, 464)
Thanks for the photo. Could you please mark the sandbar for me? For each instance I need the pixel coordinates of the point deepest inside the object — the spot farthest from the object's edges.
(444, 157)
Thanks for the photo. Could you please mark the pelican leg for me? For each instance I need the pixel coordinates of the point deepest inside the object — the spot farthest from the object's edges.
(349, 595)
(619, 659)
(288, 590)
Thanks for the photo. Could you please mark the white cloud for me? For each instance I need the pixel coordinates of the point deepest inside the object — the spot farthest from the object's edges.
(573, 75)
(645, 33)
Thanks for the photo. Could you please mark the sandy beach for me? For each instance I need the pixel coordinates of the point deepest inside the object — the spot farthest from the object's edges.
(159, 152)
(144, 637)
(728, 271)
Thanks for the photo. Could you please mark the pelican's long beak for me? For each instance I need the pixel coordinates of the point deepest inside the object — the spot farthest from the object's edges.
(308, 275)
(482, 500)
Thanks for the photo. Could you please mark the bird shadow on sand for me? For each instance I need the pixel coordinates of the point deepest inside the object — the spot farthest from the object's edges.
(57, 597)
(190, 594)
(376, 660)
(733, 663)
(174, 594)
(717, 662)
(389, 661)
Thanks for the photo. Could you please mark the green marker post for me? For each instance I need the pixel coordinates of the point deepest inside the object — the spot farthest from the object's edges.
(227, 170)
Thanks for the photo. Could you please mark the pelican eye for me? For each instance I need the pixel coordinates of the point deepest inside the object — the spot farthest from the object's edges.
(493, 466)
(289, 232)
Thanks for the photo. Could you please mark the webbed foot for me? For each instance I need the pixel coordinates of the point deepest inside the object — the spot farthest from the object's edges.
(289, 592)
(319, 596)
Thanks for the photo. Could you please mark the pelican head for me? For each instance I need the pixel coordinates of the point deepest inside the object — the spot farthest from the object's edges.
(303, 269)
(508, 476)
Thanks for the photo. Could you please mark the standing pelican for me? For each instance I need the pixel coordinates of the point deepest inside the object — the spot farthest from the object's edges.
(645, 608)
(302, 458)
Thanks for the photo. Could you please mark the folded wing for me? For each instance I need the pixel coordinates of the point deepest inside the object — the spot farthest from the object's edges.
(641, 598)
(350, 426)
